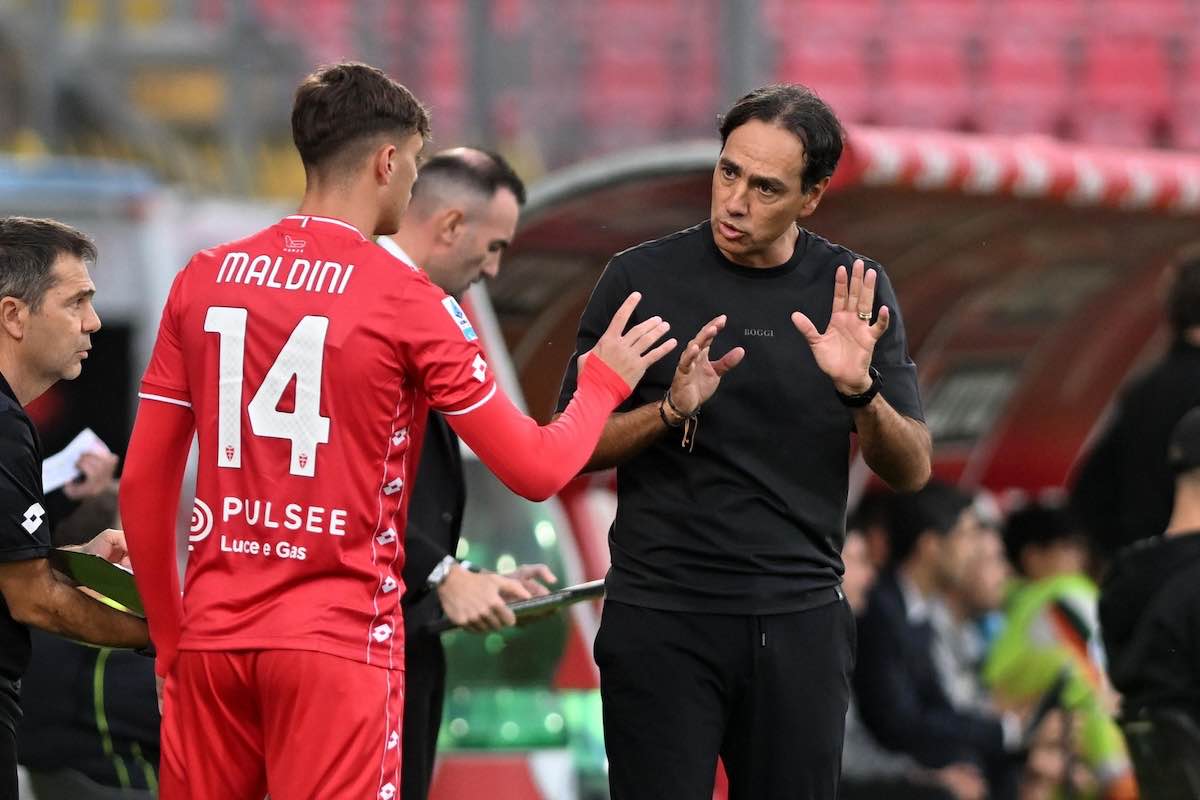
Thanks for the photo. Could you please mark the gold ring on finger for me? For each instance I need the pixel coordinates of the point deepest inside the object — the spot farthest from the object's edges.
(865, 316)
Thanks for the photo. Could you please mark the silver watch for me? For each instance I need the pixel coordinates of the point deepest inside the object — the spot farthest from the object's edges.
(439, 574)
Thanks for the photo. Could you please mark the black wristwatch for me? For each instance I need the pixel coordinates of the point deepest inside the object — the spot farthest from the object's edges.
(861, 399)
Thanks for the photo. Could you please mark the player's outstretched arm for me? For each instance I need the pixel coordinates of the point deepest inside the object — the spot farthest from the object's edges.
(536, 461)
(154, 466)
(36, 596)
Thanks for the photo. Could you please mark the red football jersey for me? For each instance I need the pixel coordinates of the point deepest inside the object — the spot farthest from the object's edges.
(309, 356)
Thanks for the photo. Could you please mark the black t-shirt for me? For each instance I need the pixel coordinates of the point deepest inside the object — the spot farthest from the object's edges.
(753, 519)
(24, 528)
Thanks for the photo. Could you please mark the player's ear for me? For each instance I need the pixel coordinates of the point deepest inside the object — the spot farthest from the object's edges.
(450, 225)
(14, 316)
(813, 197)
(385, 164)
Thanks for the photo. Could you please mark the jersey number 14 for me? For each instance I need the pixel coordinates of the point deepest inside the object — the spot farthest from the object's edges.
(302, 356)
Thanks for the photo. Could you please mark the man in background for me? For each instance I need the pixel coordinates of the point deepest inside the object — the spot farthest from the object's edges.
(461, 219)
(1124, 489)
(1150, 601)
(46, 323)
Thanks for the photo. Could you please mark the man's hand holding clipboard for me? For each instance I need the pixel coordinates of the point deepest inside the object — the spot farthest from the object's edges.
(534, 607)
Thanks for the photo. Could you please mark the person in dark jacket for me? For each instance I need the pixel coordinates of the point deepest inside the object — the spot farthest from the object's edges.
(1124, 487)
(1150, 601)
(899, 688)
(462, 216)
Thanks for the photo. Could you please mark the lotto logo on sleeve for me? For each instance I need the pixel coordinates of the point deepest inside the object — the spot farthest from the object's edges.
(33, 517)
(460, 318)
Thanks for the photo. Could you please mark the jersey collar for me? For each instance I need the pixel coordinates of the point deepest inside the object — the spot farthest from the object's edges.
(390, 244)
(310, 221)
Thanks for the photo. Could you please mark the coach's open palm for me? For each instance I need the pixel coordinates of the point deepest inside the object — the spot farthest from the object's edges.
(843, 351)
(696, 377)
(630, 353)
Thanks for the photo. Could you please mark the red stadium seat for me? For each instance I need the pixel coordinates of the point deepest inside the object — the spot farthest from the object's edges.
(1037, 17)
(839, 75)
(1025, 86)
(956, 18)
(1157, 17)
(794, 19)
(1126, 85)
(925, 82)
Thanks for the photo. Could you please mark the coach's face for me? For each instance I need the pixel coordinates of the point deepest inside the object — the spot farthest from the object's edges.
(58, 335)
(757, 194)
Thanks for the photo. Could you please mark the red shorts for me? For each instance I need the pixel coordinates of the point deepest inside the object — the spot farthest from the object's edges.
(292, 723)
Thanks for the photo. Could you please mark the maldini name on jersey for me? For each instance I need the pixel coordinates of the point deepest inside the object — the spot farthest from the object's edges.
(302, 275)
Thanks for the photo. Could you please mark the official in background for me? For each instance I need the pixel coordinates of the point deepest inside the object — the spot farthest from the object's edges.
(1125, 487)
(462, 216)
(1150, 601)
(46, 323)
(724, 630)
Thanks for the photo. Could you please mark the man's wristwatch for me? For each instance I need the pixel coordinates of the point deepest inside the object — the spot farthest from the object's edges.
(861, 399)
(439, 573)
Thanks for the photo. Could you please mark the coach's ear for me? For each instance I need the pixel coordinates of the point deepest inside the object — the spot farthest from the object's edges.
(449, 224)
(14, 316)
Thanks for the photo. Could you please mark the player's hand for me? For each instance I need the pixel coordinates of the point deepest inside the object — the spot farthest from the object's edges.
(630, 353)
(109, 545)
(533, 577)
(963, 781)
(696, 377)
(478, 601)
(843, 351)
(97, 469)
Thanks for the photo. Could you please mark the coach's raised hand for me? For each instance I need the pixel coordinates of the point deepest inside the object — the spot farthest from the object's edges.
(843, 351)
(630, 353)
(696, 377)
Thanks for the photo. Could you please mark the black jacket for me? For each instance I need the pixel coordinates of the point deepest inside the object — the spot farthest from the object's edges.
(899, 691)
(435, 513)
(1150, 622)
(1125, 489)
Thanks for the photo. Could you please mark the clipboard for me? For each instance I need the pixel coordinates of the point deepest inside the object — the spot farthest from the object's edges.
(536, 606)
(101, 576)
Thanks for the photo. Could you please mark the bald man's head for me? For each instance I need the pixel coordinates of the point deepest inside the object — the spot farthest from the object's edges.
(465, 204)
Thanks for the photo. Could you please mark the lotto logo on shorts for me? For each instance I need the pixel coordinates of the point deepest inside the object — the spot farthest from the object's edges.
(387, 537)
(393, 740)
(389, 584)
(387, 792)
(382, 633)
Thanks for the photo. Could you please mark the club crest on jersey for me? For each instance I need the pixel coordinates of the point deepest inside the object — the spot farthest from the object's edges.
(460, 318)
(293, 245)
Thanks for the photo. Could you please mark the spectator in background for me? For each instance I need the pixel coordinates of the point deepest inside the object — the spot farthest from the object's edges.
(959, 621)
(1051, 626)
(1124, 488)
(897, 682)
(868, 770)
(90, 730)
(1150, 602)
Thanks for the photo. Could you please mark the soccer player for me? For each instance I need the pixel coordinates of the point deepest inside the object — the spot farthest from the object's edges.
(306, 359)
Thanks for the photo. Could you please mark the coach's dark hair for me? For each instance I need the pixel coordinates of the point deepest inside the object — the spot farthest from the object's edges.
(342, 109)
(28, 249)
(1183, 300)
(935, 508)
(796, 109)
(485, 175)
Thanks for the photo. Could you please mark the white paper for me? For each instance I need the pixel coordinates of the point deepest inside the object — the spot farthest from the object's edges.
(59, 469)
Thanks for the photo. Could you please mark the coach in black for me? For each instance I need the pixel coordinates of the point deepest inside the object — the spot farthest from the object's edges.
(725, 631)
(46, 323)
